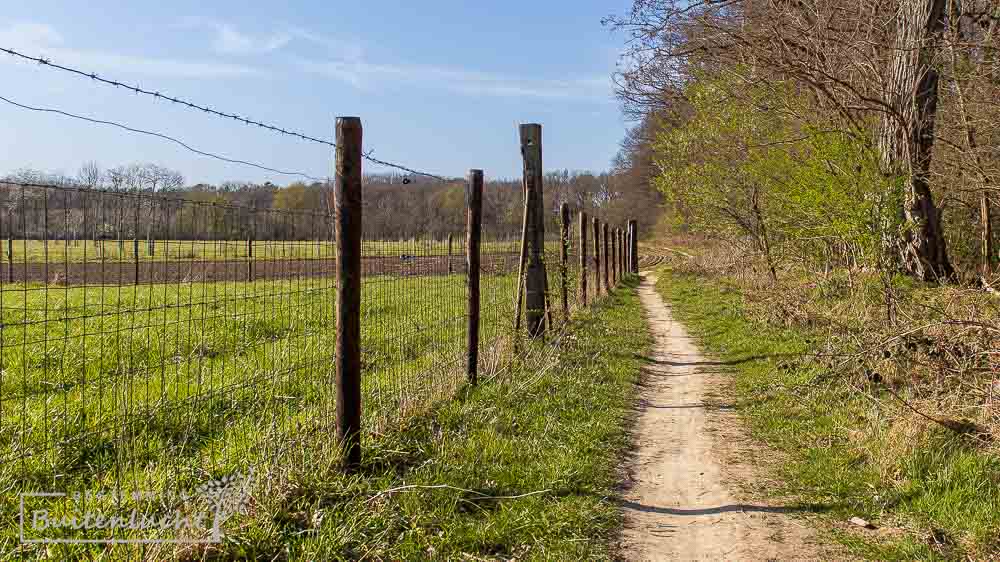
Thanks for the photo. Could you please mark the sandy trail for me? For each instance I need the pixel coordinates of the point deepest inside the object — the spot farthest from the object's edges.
(689, 451)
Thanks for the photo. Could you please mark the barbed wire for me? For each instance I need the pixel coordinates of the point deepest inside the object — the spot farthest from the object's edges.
(206, 109)
(162, 136)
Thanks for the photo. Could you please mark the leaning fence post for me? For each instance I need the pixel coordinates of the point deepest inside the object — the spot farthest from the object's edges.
(531, 151)
(473, 236)
(347, 204)
(583, 258)
(597, 257)
(564, 259)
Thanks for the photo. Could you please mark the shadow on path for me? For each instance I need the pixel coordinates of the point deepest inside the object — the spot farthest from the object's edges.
(739, 508)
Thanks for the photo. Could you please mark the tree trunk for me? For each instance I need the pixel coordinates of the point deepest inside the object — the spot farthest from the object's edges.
(765, 243)
(907, 136)
(960, 35)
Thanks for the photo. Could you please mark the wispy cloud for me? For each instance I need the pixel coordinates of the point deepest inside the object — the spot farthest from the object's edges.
(228, 39)
(338, 59)
(366, 75)
(40, 39)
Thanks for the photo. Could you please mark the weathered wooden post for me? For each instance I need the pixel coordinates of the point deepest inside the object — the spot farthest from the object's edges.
(583, 258)
(450, 268)
(10, 259)
(634, 252)
(597, 257)
(347, 205)
(473, 236)
(614, 257)
(628, 247)
(249, 259)
(564, 259)
(135, 256)
(621, 253)
(531, 151)
(604, 232)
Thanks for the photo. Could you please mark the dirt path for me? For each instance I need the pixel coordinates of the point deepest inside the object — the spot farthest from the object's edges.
(690, 459)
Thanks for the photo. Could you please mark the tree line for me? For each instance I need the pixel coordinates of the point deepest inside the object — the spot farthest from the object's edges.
(155, 202)
(826, 131)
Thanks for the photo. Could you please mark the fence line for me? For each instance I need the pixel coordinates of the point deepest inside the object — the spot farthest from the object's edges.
(150, 341)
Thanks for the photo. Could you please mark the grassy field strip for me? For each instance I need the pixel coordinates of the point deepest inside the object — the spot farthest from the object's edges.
(937, 496)
(80, 251)
(128, 376)
(175, 407)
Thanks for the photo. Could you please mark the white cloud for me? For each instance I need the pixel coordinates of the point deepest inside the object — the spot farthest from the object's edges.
(29, 34)
(42, 40)
(366, 75)
(343, 61)
(229, 41)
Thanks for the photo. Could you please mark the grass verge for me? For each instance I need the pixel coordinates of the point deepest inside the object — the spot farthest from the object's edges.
(524, 467)
(933, 494)
(528, 463)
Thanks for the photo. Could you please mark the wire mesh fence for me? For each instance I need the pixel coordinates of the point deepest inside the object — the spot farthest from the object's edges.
(156, 344)
(151, 342)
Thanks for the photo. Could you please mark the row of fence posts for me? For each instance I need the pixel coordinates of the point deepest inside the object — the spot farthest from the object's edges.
(617, 247)
(615, 252)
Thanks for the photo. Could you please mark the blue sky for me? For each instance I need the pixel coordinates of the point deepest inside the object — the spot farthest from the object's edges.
(439, 85)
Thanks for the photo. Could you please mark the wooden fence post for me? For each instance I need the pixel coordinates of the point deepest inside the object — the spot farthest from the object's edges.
(450, 268)
(604, 231)
(597, 257)
(621, 253)
(628, 248)
(583, 258)
(614, 257)
(564, 259)
(249, 259)
(10, 259)
(473, 236)
(531, 151)
(135, 255)
(634, 252)
(347, 204)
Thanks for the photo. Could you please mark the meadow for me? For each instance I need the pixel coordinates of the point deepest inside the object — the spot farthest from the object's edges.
(158, 387)
(83, 251)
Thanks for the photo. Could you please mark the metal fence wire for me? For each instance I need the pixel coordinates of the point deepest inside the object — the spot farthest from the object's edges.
(157, 343)
(151, 342)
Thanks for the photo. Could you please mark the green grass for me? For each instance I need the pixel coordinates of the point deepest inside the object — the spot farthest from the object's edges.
(939, 493)
(153, 387)
(550, 429)
(80, 251)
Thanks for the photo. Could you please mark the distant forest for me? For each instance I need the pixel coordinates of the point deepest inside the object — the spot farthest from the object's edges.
(152, 201)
